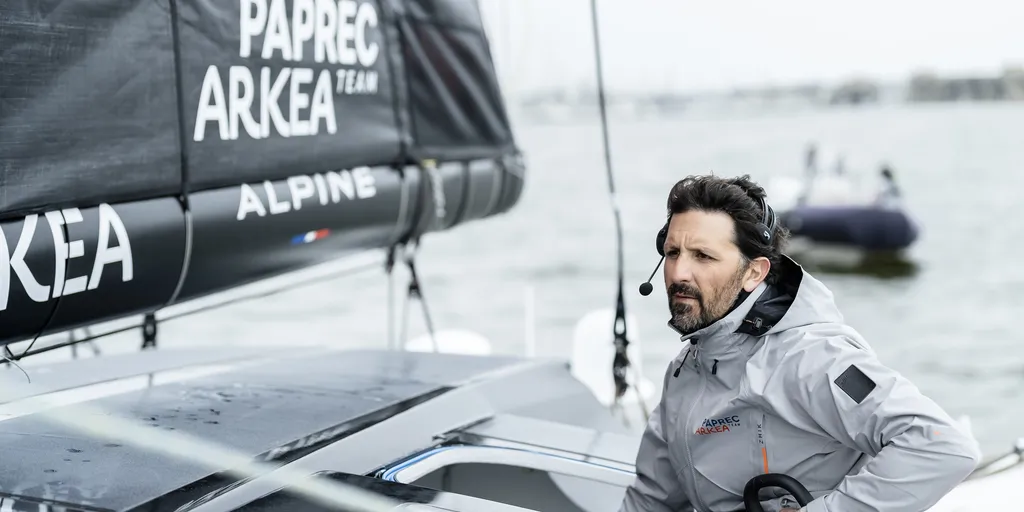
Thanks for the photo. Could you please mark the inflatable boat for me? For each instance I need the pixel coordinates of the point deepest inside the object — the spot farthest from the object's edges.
(866, 227)
(844, 210)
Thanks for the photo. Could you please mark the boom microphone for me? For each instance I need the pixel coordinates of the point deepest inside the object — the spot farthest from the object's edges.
(647, 288)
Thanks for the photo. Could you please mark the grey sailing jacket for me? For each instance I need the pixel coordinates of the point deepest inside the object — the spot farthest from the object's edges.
(782, 385)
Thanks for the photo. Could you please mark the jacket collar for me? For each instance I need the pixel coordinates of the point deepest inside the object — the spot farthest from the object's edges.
(722, 333)
(753, 317)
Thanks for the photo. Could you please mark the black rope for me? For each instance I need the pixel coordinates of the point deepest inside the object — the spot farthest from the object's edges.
(389, 267)
(620, 364)
(56, 307)
(415, 292)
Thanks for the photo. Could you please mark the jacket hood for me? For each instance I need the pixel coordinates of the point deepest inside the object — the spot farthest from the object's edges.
(797, 299)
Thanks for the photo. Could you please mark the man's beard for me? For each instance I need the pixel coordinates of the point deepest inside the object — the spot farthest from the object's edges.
(689, 317)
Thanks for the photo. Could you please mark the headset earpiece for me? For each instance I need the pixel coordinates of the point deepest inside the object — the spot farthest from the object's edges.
(662, 235)
(768, 222)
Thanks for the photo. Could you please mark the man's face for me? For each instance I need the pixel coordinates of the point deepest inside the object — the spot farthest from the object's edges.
(704, 269)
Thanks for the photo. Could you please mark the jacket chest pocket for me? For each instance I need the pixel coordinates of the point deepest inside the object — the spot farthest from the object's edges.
(720, 447)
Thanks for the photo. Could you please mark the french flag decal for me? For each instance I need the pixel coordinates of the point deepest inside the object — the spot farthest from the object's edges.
(310, 237)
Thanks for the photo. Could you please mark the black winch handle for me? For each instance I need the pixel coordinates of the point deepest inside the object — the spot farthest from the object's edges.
(751, 503)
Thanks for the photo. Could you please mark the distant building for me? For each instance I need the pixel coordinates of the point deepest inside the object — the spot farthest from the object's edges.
(927, 87)
(1014, 80)
(855, 92)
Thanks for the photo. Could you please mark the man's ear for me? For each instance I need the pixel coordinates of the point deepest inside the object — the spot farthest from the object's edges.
(757, 270)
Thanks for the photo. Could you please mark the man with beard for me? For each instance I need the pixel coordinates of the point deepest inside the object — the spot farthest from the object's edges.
(771, 380)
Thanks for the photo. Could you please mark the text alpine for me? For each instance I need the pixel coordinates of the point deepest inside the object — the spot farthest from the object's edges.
(328, 187)
(341, 34)
(14, 262)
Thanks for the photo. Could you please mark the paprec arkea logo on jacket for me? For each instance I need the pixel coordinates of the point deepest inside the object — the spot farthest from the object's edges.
(718, 425)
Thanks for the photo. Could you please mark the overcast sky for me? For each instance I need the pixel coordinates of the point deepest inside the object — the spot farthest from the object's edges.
(712, 44)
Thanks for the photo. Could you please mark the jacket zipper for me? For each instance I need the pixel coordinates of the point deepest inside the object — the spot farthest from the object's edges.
(687, 433)
(680, 367)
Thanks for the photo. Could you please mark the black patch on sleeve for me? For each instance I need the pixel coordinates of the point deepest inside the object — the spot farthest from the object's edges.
(855, 384)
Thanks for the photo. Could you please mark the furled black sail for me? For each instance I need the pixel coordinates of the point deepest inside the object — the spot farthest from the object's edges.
(153, 152)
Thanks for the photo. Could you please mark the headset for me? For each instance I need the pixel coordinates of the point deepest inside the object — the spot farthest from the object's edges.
(766, 227)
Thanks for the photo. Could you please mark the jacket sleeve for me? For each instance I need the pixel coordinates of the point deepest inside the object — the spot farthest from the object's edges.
(656, 487)
(918, 452)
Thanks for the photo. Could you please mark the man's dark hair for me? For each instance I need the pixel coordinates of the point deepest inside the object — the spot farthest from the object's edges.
(739, 198)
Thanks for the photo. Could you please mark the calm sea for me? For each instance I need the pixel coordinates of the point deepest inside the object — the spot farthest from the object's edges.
(946, 319)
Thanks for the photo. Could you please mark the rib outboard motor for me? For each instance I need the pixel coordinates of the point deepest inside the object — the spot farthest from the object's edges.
(751, 503)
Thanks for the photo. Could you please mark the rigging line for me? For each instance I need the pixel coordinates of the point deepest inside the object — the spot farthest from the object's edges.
(7, 357)
(56, 306)
(639, 396)
(415, 292)
(620, 362)
(291, 286)
(389, 267)
(604, 135)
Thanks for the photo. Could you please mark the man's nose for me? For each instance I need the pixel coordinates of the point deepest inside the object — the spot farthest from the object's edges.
(678, 270)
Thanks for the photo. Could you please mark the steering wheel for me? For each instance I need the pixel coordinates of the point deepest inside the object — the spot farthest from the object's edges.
(752, 504)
